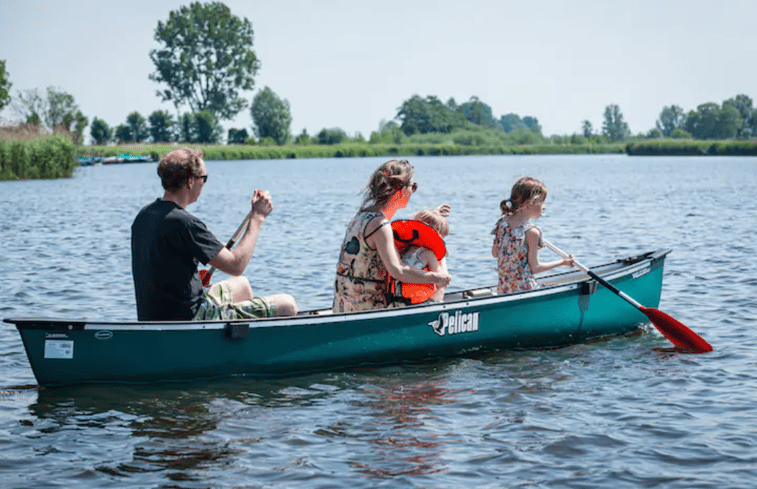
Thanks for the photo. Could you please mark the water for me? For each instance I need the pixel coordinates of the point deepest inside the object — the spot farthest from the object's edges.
(616, 412)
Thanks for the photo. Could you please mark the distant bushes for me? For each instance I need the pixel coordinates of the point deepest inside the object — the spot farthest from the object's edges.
(45, 157)
(690, 147)
(356, 150)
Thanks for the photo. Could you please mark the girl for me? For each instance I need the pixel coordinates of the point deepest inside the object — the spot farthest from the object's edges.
(424, 258)
(368, 253)
(517, 241)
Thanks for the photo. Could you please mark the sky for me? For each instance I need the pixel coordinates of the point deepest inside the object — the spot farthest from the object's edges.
(351, 63)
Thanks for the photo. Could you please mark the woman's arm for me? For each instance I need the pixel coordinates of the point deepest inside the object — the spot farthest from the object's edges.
(383, 241)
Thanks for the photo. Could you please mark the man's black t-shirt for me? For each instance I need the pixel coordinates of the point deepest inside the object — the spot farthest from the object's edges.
(166, 244)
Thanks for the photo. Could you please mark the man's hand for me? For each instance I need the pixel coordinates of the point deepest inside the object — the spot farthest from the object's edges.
(261, 204)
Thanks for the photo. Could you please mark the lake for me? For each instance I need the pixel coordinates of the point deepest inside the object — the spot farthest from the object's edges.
(618, 412)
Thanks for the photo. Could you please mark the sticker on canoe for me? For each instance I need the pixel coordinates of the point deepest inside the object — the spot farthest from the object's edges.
(59, 349)
(455, 323)
(641, 272)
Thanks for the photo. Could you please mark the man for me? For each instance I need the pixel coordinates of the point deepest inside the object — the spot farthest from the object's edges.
(167, 242)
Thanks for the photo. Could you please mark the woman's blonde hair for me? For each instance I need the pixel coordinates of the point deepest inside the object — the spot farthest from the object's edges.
(386, 181)
(524, 191)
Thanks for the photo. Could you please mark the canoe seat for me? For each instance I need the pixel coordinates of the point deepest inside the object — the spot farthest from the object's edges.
(471, 294)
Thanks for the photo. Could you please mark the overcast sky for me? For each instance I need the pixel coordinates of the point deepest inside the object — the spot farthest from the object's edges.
(351, 63)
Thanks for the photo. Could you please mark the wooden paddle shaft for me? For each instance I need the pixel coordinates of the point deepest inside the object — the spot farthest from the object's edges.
(234, 238)
(596, 277)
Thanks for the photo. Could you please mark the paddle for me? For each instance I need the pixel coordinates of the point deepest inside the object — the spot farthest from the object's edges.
(206, 274)
(672, 329)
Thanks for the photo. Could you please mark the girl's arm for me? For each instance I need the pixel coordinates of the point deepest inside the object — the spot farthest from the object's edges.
(383, 241)
(533, 242)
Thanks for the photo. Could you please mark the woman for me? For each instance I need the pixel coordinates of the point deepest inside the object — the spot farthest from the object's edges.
(368, 253)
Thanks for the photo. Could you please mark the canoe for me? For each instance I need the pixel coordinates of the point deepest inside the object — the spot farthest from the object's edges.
(569, 308)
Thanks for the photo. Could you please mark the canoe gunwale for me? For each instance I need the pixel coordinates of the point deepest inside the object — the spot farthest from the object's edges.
(470, 297)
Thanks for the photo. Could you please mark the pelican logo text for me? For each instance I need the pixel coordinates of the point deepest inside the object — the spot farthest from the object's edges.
(454, 323)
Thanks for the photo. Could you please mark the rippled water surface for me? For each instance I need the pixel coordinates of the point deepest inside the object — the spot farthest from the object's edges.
(619, 412)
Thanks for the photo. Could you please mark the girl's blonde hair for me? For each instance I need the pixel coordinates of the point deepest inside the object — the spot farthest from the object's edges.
(435, 220)
(386, 181)
(524, 191)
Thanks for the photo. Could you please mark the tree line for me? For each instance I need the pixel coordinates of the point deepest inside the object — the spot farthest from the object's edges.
(206, 61)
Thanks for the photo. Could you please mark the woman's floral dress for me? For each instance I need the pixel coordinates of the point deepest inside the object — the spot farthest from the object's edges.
(512, 258)
(360, 283)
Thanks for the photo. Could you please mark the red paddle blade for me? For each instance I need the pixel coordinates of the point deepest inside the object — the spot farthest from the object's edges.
(676, 332)
(205, 277)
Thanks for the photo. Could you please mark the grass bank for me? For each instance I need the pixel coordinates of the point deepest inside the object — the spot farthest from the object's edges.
(349, 150)
(46, 157)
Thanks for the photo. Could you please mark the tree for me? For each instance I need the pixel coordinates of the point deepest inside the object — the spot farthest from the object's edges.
(122, 134)
(511, 122)
(729, 122)
(5, 86)
(614, 127)
(237, 136)
(206, 128)
(100, 131)
(532, 123)
(421, 116)
(743, 104)
(57, 110)
(206, 59)
(271, 116)
(137, 127)
(185, 128)
(333, 135)
(303, 138)
(700, 123)
(587, 129)
(477, 112)
(671, 118)
(161, 126)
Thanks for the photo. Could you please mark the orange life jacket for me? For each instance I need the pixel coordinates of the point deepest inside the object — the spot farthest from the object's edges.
(408, 233)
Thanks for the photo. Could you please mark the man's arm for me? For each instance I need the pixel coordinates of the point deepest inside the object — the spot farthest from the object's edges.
(234, 261)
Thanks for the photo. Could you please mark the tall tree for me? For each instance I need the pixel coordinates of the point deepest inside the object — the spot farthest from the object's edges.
(122, 134)
(206, 59)
(743, 104)
(206, 128)
(100, 131)
(614, 127)
(671, 118)
(587, 129)
(137, 127)
(161, 126)
(271, 116)
(5, 86)
(702, 123)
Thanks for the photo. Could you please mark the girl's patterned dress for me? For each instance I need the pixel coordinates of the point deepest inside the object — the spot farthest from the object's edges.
(360, 283)
(512, 258)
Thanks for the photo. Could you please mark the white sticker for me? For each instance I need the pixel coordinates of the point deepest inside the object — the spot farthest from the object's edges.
(59, 349)
(642, 272)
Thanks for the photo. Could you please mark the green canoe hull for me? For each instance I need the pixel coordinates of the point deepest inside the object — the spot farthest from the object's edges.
(571, 308)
